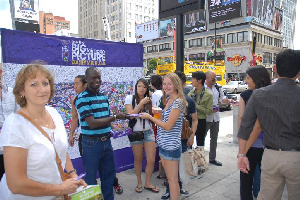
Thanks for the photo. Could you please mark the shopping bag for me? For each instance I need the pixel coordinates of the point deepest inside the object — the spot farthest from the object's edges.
(184, 176)
(190, 163)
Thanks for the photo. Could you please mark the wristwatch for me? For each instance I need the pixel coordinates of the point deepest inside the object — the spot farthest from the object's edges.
(241, 155)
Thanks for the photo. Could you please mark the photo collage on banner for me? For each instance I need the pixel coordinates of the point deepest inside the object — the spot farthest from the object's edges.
(194, 22)
(120, 64)
(263, 12)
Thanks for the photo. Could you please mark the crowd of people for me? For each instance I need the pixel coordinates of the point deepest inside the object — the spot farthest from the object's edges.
(33, 134)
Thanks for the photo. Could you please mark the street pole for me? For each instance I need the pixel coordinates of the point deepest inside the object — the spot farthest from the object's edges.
(215, 50)
(179, 43)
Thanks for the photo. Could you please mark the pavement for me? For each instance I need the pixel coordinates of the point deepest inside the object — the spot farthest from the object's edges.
(218, 183)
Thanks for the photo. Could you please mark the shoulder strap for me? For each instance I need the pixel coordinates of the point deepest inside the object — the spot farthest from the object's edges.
(218, 89)
(58, 161)
(202, 93)
(133, 101)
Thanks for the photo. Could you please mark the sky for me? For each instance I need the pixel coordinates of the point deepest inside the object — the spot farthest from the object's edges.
(69, 10)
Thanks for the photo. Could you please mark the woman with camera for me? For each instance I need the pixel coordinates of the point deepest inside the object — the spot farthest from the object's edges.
(143, 135)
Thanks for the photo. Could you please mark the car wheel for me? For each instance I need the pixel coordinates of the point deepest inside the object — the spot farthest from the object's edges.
(235, 91)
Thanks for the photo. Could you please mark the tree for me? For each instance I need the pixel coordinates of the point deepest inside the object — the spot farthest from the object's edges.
(152, 65)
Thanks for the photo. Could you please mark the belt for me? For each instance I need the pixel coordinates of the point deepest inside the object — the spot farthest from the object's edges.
(277, 149)
(102, 137)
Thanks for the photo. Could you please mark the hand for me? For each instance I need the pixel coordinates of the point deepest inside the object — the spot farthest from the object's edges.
(190, 141)
(71, 140)
(70, 186)
(243, 164)
(82, 183)
(122, 116)
(145, 100)
(145, 116)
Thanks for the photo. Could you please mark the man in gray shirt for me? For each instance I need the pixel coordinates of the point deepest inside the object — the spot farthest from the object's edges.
(277, 108)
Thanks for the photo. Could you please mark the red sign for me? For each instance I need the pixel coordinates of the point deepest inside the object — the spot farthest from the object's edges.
(236, 59)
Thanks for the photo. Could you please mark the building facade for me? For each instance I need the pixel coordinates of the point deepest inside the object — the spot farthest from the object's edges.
(119, 16)
(49, 24)
(236, 37)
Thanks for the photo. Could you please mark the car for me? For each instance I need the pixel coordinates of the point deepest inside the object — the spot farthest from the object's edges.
(235, 87)
(227, 106)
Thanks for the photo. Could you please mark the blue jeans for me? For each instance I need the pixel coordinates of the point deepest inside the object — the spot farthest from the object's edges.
(98, 156)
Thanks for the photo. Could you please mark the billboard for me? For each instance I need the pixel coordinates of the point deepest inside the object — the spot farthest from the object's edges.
(147, 31)
(169, 8)
(166, 28)
(277, 20)
(221, 10)
(22, 26)
(263, 12)
(27, 9)
(194, 22)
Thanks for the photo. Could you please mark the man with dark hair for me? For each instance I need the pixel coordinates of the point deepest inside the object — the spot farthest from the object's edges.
(193, 120)
(204, 104)
(277, 109)
(95, 119)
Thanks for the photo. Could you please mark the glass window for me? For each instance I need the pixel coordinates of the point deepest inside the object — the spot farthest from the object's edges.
(231, 38)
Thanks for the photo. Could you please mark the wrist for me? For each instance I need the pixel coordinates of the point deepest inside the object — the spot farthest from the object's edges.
(241, 155)
(72, 171)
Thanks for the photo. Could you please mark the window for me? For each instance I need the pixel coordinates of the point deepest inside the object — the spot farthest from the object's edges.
(165, 47)
(197, 57)
(231, 38)
(129, 25)
(195, 42)
(151, 49)
(129, 34)
(267, 57)
(242, 36)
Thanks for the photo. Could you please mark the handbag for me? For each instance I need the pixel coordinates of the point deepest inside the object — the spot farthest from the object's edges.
(137, 135)
(64, 176)
(186, 131)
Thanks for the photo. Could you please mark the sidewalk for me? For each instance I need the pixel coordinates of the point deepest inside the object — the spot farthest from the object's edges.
(218, 183)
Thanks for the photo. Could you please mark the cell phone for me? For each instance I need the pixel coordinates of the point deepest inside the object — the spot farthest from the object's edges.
(80, 176)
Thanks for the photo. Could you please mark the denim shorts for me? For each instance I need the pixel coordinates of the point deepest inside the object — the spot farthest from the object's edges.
(170, 154)
(148, 137)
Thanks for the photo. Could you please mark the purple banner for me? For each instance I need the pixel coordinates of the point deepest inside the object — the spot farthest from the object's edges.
(23, 47)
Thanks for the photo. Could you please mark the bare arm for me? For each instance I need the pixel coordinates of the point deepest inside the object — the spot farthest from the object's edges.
(15, 160)
(194, 128)
(98, 123)
(253, 136)
(137, 109)
(174, 114)
(74, 123)
(242, 106)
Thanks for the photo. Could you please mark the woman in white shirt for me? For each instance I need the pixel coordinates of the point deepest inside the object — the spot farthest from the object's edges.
(142, 103)
(29, 157)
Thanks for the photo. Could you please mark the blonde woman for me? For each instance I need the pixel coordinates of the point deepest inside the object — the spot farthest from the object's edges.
(169, 131)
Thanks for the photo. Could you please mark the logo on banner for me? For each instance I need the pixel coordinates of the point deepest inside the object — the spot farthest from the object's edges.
(65, 51)
(83, 55)
(236, 59)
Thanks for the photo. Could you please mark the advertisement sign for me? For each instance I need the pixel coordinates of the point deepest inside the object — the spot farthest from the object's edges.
(147, 31)
(194, 22)
(236, 59)
(263, 12)
(221, 10)
(277, 20)
(166, 28)
(121, 65)
(27, 9)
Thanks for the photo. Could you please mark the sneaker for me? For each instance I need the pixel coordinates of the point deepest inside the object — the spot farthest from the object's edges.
(166, 196)
(184, 193)
(118, 189)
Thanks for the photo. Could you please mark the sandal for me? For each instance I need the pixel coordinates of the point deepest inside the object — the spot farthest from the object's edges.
(160, 177)
(155, 189)
(139, 189)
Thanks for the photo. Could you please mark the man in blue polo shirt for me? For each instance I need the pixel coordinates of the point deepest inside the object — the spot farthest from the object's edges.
(97, 152)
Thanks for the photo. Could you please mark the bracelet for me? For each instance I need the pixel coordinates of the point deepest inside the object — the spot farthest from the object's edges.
(115, 117)
(70, 172)
(241, 155)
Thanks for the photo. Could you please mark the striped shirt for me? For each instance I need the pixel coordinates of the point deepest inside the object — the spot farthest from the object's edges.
(96, 105)
(171, 140)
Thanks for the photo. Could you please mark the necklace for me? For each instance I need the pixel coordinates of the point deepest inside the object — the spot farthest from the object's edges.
(42, 124)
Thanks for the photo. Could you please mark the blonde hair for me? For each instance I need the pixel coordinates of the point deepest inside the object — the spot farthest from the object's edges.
(28, 72)
(178, 86)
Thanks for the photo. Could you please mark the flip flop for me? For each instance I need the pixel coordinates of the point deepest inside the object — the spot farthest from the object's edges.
(155, 189)
(139, 189)
(160, 177)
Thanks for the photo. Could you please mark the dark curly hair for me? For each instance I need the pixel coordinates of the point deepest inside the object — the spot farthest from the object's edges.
(259, 75)
(156, 81)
